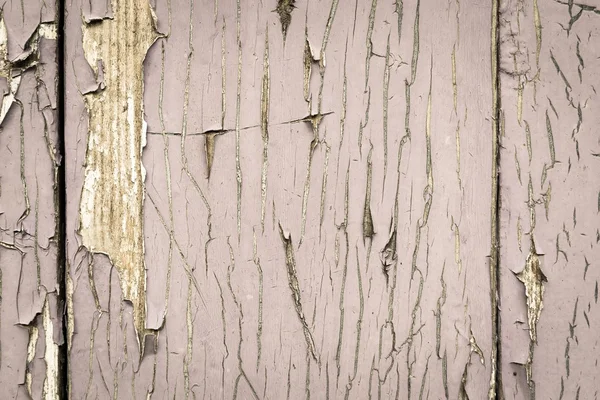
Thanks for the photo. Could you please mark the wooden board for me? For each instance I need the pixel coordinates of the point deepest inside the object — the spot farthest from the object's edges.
(31, 294)
(550, 199)
(338, 243)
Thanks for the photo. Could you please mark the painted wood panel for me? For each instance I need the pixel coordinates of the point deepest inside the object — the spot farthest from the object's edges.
(550, 189)
(31, 295)
(281, 200)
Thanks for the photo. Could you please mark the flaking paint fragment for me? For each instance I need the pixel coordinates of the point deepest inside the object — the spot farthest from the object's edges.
(284, 9)
(475, 348)
(388, 255)
(48, 30)
(308, 59)
(6, 72)
(209, 148)
(12, 70)
(51, 382)
(462, 390)
(31, 346)
(112, 198)
(533, 278)
(457, 257)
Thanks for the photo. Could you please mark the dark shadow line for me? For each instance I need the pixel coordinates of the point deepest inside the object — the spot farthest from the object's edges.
(63, 357)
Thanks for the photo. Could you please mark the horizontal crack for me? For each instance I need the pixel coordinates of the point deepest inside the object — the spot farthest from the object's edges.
(309, 119)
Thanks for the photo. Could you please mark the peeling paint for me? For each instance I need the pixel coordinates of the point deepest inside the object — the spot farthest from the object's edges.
(284, 9)
(114, 175)
(12, 70)
(6, 72)
(337, 307)
(457, 257)
(34, 334)
(533, 278)
(308, 60)
(51, 388)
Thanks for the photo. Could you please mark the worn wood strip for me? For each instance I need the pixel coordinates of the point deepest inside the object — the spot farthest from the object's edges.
(549, 69)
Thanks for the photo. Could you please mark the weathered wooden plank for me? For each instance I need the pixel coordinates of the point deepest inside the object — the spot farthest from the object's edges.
(316, 216)
(550, 191)
(30, 240)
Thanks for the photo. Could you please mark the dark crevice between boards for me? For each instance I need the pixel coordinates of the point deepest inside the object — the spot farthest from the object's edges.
(495, 390)
(61, 199)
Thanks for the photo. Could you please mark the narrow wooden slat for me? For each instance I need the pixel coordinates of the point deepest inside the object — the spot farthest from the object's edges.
(31, 325)
(550, 189)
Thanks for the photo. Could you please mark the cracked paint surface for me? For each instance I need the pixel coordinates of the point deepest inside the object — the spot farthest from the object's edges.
(339, 127)
(548, 70)
(346, 302)
(197, 272)
(31, 337)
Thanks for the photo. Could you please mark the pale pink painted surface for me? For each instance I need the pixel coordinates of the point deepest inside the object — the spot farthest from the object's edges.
(320, 277)
(29, 239)
(223, 318)
(565, 363)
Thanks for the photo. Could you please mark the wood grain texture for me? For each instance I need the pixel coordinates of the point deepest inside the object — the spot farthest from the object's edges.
(30, 239)
(550, 199)
(316, 216)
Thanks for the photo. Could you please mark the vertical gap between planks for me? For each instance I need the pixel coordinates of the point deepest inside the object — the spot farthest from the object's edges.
(495, 392)
(61, 197)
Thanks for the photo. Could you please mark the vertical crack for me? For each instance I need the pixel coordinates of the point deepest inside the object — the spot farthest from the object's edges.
(264, 126)
(259, 329)
(386, 86)
(344, 227)
(238, 168)
(290, 262)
